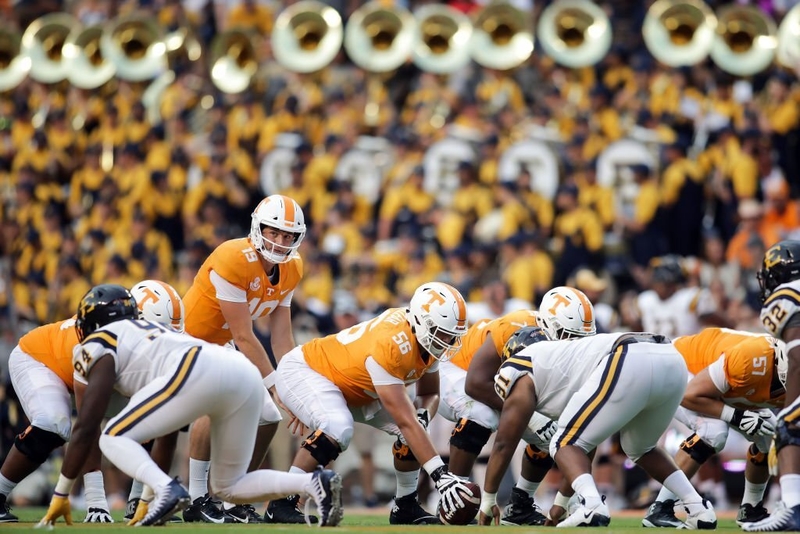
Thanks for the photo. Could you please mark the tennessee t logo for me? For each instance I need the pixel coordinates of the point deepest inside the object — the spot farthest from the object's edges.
(561, 300)
(435, 297)
(149, 295)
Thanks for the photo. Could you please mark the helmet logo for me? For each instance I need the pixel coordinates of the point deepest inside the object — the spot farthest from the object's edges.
(149, 295)
(435, 297)
(560, 300)
(772, 257)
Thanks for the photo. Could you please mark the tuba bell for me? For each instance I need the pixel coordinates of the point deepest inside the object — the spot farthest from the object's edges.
(745, 41)
(307, 36)
(679, 32)
(575, 33)
(789, 39)
(442, 42)
(43, 42)
(379, 39)
(14, 66)
(233, 61)
(87, 66)
(501, 37)
(134, 44)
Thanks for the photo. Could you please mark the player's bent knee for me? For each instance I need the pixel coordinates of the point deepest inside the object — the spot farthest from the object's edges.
(756, 457)
(269, 412)
(537, 457)
(37, 444)
(469, 436)
(786, 434)
(322, 448)
(697, 449)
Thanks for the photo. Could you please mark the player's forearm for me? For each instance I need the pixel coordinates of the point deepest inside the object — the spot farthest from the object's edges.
(79, 449)
(499, 461)
(419, 441)
(428, 402)
(254, 351)
(707, 406)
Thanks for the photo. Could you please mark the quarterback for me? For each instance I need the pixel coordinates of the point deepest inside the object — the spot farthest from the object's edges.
(242, 280)
(468, 397)
(361, 375)
(594, 386)
(737, 378)
(171, 379)
(779, 278)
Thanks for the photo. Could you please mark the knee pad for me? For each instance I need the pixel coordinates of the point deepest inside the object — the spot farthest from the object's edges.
(37, 444)
(322, 448)
(402, 452)
(755, 456)
(697, 449)
(469, 436)
(537, 457)
(786, 434)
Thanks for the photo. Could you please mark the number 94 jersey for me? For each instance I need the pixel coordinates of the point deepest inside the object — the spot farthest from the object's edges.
(142, 351)
(388, 339)
(780, 307)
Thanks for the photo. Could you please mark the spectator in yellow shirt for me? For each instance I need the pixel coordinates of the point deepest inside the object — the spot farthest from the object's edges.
(578, 233)
(410, 204)
(529, 275)
(643, 230)
(251, 15)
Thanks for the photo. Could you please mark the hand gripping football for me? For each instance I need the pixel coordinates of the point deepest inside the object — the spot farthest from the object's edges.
(465, 514)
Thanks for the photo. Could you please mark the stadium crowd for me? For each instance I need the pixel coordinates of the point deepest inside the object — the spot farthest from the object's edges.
(103, 186)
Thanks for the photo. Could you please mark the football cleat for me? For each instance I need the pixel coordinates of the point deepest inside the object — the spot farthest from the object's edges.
(5, 512)
(326, 490)
(286, 511)
(749, 513)
(703, 519)
(662, 515)
(782, 519)
(205, 510)
(408, 511)
(130, 509)
(522, 510)
(243, 513)
(172, 498)
(598, 516)
(98, 515)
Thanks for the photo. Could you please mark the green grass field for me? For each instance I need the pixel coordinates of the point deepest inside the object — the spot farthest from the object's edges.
(356, 523)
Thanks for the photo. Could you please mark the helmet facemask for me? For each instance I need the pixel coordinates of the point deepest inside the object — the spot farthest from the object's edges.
(270, 250)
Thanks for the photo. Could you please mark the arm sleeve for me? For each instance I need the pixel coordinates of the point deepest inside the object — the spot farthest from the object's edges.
(227, 291)
(379, 375)
(286, 302)
(717, 373)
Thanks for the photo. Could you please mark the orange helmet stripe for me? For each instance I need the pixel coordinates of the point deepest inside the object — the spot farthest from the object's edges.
(176, 306)
(462, 306)
(587, 322)
(288, 207)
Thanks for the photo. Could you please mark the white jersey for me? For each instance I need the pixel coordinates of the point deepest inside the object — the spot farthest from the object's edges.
(142, 352)
(780, 307)
(558, 369)
(679, 314)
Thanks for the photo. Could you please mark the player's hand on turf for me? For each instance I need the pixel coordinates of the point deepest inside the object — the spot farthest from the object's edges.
(492, 518)
(141, 511)
(59, 507)
(556, 514)
(98, 515)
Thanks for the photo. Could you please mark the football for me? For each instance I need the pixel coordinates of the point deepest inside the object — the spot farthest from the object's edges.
(465, 515)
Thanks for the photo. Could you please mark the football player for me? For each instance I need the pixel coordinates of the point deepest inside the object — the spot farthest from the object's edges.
(468, 397)
(779, 278)
(171, 379)
(361, 375)
(594, 386)
(670, 308)
(737, 378)
(242, 280)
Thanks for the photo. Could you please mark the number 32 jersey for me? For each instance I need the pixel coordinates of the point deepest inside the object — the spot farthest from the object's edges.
(388, 338)
(780, 307)
(238, 263)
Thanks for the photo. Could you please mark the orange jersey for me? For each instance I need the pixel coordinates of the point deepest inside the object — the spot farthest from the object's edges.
(52, 345)
(390, 341)
(749, 365)
(501, 329)
(237, 262)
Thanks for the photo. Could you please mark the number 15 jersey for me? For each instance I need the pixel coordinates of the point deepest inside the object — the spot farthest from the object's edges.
(388, 339)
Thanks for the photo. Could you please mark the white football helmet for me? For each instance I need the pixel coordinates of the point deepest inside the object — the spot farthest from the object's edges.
(160, 303)
(282, 213)
(566, 312)
(781, 359)
(438, 314)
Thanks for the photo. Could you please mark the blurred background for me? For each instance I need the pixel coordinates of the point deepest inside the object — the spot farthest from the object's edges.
(502, 147)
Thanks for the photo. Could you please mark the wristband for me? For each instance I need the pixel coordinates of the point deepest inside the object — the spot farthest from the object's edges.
(64, 486)
(561, 500)
(270, 379)
(727, 413)
(488, 501)
(432, 465)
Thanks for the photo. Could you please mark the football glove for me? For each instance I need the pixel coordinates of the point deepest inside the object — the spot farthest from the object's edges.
(97, 515)
(59, 507)
(760, 423)
(450, 488)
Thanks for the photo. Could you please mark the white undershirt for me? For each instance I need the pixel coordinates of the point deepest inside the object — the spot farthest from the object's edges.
(381, 377)
(225, 290)
(717, 373)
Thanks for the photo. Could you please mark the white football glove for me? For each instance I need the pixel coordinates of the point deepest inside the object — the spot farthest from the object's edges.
(450, 488)
(98, 515)
(752, 423)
